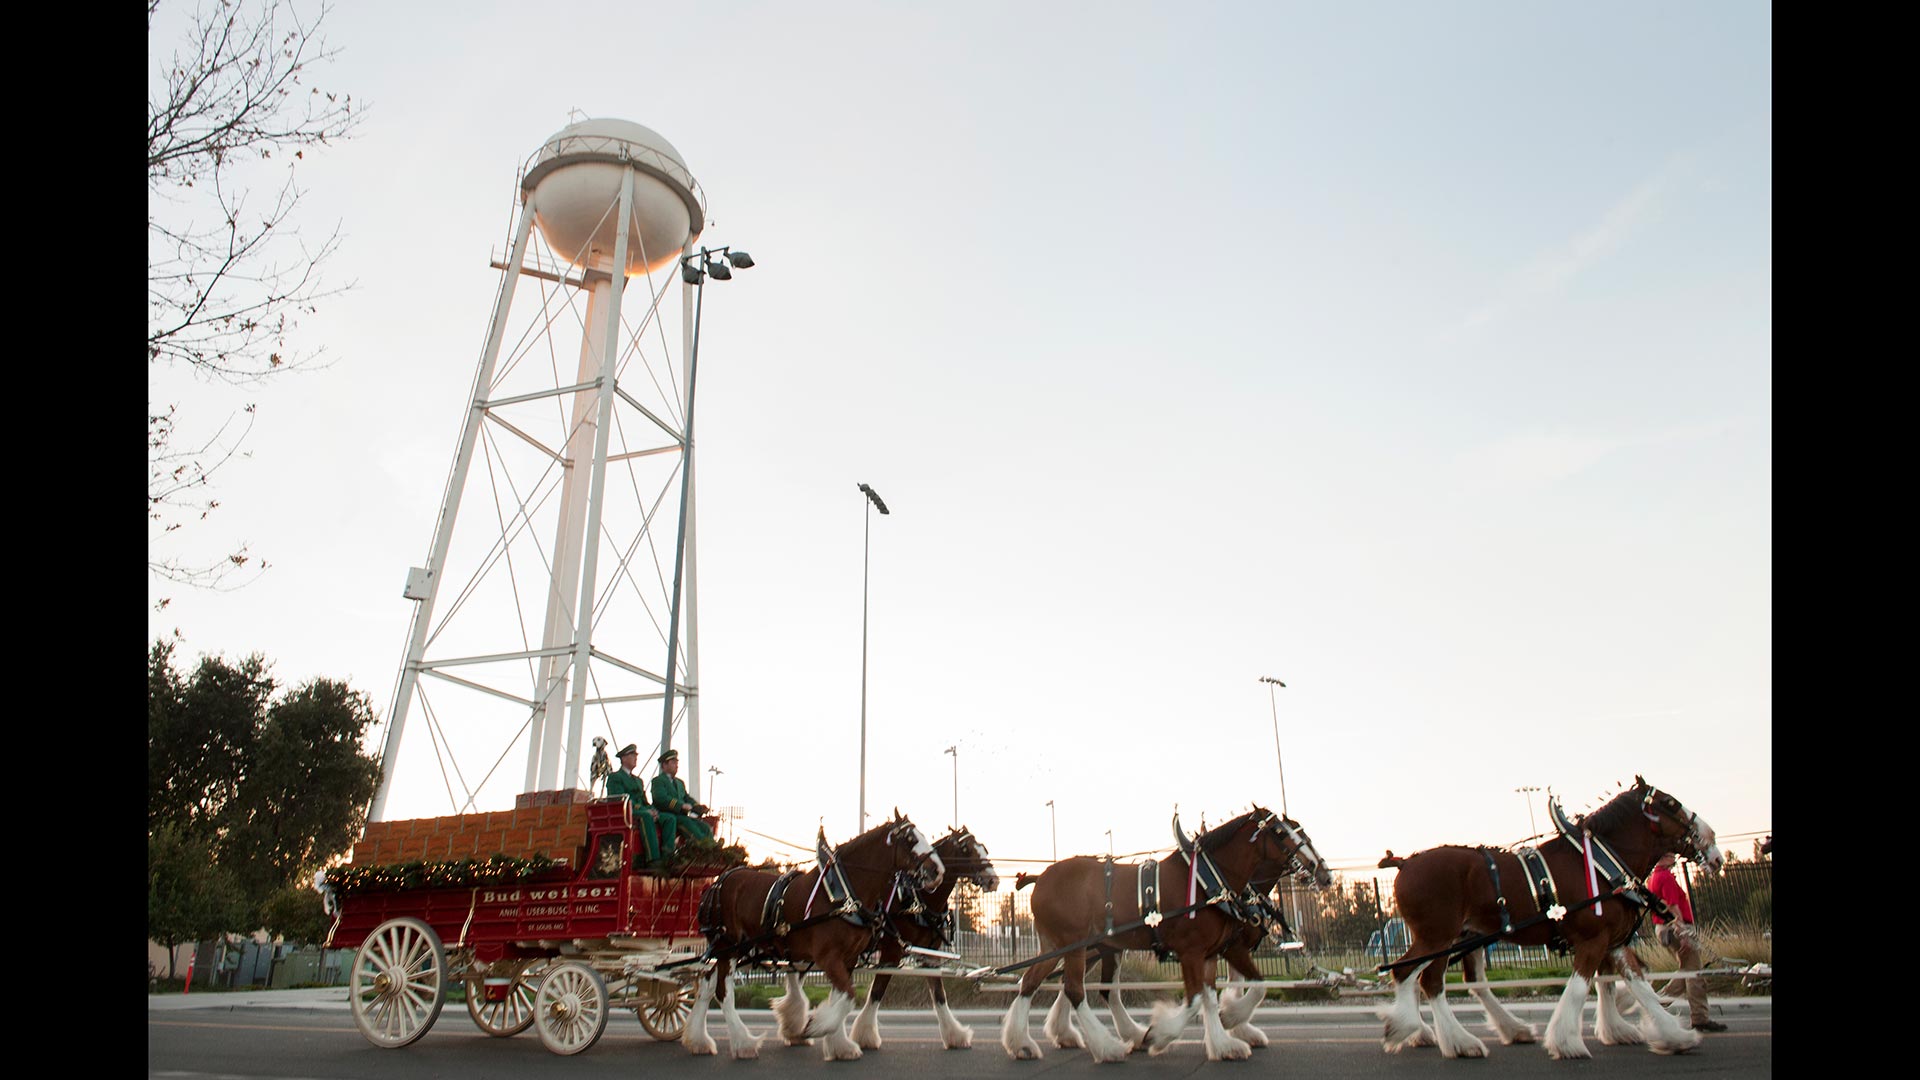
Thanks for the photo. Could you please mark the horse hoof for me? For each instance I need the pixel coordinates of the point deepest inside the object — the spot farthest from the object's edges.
(1236, 1051)
(701, 1049)
(1027, 1053)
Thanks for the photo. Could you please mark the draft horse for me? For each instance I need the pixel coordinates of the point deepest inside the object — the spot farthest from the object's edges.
(1258, 917)
(1447, 894)
(920, 917)
(825, 917)
(1079, 902)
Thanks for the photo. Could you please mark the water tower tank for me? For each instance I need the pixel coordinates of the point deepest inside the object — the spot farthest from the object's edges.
(574, 185)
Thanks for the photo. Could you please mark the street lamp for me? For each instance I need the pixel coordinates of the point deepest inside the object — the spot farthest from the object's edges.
(1528, 792)
(955, 751)
(1054, 821)
(873, 501)
(697, 277)
(1271, 683)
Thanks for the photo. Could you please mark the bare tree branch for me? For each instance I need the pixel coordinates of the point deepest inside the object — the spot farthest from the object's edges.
(229, 276)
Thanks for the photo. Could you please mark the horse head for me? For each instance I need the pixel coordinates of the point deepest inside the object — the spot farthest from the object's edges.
(912, 851)
(1678, 829)
(966, 856)
(1301, 858)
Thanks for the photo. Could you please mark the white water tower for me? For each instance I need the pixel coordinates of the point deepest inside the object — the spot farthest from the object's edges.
(544, 607)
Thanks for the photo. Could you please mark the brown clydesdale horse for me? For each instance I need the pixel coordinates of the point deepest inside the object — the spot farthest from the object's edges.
(1236, 1004)
(929, 927)
(1070, 906)
(809, 928)
(1446, 893)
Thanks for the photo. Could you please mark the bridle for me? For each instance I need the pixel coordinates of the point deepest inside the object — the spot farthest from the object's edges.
(1299, 865)
(907, 832)
(1655, 799)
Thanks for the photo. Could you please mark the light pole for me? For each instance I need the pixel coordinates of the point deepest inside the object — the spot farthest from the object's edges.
(1533, 830)
(955, 751)
(1271, 683)
(720, 269)
(873, 501)
(1053, 820)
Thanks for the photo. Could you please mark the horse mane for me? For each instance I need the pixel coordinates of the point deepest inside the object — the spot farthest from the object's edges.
(1612, 813)
(1212, 839)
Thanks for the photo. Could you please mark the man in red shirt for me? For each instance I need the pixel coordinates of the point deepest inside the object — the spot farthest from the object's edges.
(1679, 937)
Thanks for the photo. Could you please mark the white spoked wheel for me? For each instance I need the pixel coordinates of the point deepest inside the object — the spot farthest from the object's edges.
(504, 1010)
(664, 1008)
(570, 1008)
(399, 982)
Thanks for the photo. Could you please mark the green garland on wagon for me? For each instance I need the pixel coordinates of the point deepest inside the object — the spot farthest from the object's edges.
(393, 877)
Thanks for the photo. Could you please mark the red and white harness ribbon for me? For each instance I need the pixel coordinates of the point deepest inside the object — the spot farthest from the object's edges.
(1593, 878)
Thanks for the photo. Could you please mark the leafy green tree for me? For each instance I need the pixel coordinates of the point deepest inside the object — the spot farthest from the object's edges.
(190, 896)
(296, 914)
(303, 790)
(267, 788)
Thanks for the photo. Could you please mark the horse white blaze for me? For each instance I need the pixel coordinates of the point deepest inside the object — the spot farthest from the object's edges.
(1563, 1028)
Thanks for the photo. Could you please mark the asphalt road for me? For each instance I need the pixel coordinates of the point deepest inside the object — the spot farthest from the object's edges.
(251, 1039)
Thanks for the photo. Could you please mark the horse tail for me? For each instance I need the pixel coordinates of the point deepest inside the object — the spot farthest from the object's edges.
(1024, 879)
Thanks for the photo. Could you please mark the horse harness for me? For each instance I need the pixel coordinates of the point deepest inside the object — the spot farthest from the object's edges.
(770, 942)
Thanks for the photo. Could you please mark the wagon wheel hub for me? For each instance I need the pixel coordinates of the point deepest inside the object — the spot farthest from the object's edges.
(384, 983)
(564, 1007)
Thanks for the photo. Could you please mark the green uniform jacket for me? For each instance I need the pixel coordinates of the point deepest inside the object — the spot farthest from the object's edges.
(670, 795)
(622, 782)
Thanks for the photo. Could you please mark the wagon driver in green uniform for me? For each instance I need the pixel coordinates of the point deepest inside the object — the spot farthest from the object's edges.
(675, 807)
(622, 781)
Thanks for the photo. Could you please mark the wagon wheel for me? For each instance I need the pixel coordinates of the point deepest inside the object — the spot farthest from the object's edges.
(664, 1008)
(399, 982)
(570, 1008)
(512, 1014)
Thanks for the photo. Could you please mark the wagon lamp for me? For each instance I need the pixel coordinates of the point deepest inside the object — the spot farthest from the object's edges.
(1271, 683)
(873, 501)
(697, 277)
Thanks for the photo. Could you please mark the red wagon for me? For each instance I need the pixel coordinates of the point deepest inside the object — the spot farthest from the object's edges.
(557, 951)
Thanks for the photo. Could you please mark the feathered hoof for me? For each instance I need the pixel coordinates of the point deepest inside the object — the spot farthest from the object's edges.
(1109, 1055)
(747, 1052)
(1470, 1048)
(700, 1047)
(1250, 1035)
(1030, 1051)
(1569, 1053)
(960, 1040)
(1236, 1050)
(1688, 1040)
(1069, 1040)
(1523, 1035)
(847, 1052)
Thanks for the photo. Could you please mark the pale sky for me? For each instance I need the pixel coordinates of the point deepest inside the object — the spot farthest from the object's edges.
(1418, 355)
